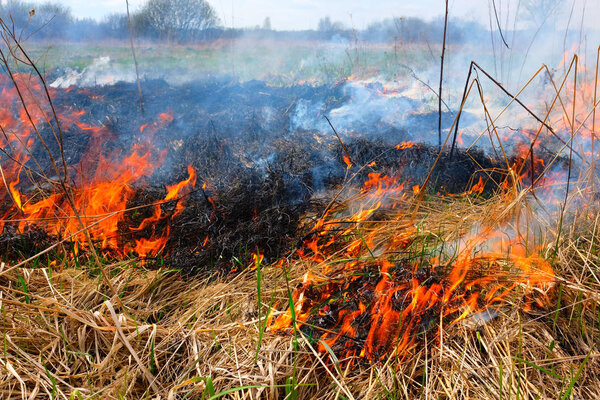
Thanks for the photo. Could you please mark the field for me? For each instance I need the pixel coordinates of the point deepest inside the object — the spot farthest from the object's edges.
(393, 286)
(206, 338)
(279, 63)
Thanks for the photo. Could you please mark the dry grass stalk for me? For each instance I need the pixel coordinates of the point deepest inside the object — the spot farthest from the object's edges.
(62, 335)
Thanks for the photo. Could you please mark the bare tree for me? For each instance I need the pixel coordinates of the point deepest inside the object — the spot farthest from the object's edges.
(538, 11)
(45, 20)
(183, 18)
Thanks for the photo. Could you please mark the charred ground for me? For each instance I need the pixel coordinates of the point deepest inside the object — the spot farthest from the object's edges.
(260, 175)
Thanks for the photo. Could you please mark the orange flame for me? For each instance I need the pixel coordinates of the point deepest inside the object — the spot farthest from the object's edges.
(103, 184)
(348, 162)
(404, 145)
(403, 298)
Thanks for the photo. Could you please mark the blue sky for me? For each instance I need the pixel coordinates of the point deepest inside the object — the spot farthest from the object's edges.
(304, 14)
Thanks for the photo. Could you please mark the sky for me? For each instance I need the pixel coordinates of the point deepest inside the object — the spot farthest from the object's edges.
(305, 14)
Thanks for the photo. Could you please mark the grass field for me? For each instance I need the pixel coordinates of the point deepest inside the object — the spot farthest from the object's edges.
(476, 295)
(278, 63)
(72, 330)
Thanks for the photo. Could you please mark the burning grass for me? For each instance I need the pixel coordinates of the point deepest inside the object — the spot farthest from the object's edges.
(68, 331)
(396, 287)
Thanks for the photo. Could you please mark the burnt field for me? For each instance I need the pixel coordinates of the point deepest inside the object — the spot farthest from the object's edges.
(346, 235)
(258, 171)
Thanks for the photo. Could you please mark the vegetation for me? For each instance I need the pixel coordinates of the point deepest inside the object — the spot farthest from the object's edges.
(47, 20)
(182, 19)
(189, 21)
(80, 326)
(76, 325)
(278, 63)
(69, 332)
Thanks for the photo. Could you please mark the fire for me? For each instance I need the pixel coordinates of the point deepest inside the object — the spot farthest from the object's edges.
(478, 187)
(348, 162)
(158, 240)
(376, 302)
(257, 259)
(101, 183)
(459, 138)
(183, 188)
(404, 145)
(15, 193)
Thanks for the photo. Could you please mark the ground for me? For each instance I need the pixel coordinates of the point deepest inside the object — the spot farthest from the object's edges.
(278, 63)
(391, 288)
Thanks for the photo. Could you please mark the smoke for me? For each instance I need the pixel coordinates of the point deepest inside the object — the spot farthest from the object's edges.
(376, 82)
(100, 72)
(364, 109)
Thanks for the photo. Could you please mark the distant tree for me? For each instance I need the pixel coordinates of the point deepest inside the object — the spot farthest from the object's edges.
(267, 24)
(17, 12)
(52, 20)
(116, 24)
(46, 20)
(87, 29)
(325, 25)
(538, 11)
(183, 19)
(328, 29)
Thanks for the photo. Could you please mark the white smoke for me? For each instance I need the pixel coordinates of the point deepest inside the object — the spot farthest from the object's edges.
(101, 72)
(367, 107)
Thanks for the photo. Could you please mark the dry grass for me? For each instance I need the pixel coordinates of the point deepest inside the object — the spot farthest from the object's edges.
(119, 331)
(65, 335)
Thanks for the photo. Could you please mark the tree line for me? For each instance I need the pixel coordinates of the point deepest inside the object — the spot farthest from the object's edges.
(196, 20)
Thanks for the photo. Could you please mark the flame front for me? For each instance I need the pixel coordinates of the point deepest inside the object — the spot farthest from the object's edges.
(100, 185)
(383, 297)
